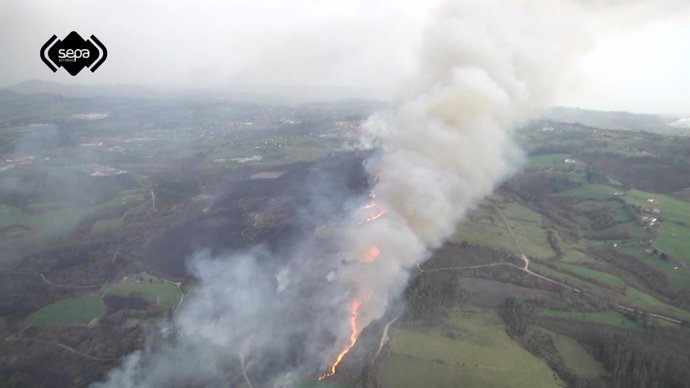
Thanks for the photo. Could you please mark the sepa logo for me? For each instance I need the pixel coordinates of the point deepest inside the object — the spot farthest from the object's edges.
(73, 53)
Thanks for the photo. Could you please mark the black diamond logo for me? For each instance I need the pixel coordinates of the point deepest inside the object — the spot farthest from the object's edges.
(73, 53)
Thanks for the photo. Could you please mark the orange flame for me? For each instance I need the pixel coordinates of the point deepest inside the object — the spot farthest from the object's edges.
(372, 253)
(376, 216)
(369, 205)
(354, 314)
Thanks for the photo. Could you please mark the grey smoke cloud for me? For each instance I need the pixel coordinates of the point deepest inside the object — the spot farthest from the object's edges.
(482, 71)
(348, 44)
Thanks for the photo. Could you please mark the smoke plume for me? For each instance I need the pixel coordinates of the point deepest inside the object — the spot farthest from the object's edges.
(275, 321)
(484, 71)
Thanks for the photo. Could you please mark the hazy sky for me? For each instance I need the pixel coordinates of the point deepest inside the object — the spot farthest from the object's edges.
(641, 64)
(644, 69)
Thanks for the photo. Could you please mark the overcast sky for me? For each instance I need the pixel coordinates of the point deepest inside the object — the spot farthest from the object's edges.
(365, 46)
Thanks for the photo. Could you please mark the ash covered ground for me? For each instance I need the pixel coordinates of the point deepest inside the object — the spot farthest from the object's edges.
(111, 209)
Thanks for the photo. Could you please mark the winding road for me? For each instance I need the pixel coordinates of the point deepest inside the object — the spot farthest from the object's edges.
(525, 268)
(384, 336)
(70, 349)
(244, 372)
(49, 282)
(179, 290)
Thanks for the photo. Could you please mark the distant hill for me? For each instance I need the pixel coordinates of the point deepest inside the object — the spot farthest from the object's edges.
(681, 123)
(616, 120)
(251, 93)
(35, 86)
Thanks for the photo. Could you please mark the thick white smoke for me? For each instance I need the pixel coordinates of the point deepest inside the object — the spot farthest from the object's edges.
(484, 70)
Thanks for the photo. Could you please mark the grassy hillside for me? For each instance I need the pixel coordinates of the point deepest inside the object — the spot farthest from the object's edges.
(471, 350)
(69, 311)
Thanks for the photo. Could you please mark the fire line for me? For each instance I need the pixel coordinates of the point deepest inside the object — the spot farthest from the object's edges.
(375, 217)
(354, 314)
(370, 255)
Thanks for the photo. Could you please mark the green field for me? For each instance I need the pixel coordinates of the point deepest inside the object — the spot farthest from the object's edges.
(615, 206)
(647, 302)
(597, 192)
(471, 350)
(48, 220)
(273, 152)
(110, 225)
(674, 239)
(484, 227)
(673, 236)
(322, 384)
(575, 357)
(672, 209)
(532, 240)
(307, 148)
(125, 197)
(678, 276)
(633, 297)
(42, 207)
(564, 277)
(611, 318)
(526, 227)
(80, 310)
(593, 274)
(493, 234)
(571, 255)
(46, 224)
(155, 290)
(546, 161)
